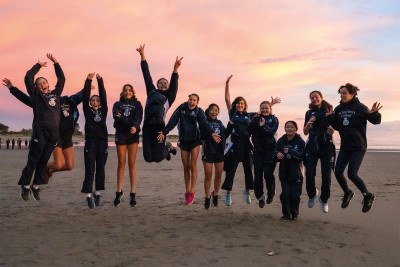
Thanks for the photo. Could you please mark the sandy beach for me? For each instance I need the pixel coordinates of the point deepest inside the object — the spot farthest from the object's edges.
(61, 230)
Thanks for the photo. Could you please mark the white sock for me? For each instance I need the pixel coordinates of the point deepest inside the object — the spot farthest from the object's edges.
(35, 186)
(97, 193)
(89, 195)
(27, 186)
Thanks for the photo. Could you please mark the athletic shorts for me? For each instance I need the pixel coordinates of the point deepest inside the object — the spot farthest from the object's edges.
(65, 141)
(126, 138)
(213, 158)
(189, 145)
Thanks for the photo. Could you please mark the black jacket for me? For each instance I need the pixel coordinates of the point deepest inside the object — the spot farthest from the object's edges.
(131, 115)
(209, 145)
(263, 137)
(350, 119)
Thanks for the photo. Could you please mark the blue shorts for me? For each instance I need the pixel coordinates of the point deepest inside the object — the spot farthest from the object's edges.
(213, 158)
(189, 145)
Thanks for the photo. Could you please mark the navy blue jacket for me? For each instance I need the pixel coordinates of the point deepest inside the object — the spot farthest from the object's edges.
(209, 145)
(131, 115)
(350, 119)
(263, 137)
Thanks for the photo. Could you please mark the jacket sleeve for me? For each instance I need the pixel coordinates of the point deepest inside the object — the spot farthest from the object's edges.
(251, 129)
(86, 95)
(374, 118)
(173, 88)
(298, 153)
(334, 120)
(147, 77)
(173, 121)
(138, 117)
(203, 123)
(270, 128)
(278, 148)
(77, 98)
(102, 94)
(21, 96)
(229, 129)
(60, 79)
(29, 79)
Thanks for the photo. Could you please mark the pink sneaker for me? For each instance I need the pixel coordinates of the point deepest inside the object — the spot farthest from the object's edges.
(190, 198)
(186, 198)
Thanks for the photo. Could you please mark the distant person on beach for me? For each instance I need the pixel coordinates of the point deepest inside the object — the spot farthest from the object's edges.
(159, 99)
(189, 118)
(63, 154)
(13, 143)
(8, 143)
(46, 121)
(128, 115)
(350, 119)
(319, 146)
(263, 129)
(19, 142)
(213, 156)
(289, 153)
(96, 140)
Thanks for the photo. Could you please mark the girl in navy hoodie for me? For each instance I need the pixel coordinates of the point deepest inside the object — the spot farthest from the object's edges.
(350, 119)
(289, 153)
(128, 114)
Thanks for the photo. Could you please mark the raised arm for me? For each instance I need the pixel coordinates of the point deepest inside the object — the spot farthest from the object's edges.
(102, 92)
(17, 93)
(374, 116)
(77, 98)
(173, 85)
(30, 76)
(227, 95)
(145, 70)
(86, 92)
(59, 73)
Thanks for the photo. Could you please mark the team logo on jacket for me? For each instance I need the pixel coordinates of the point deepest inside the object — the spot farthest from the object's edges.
(127, 112)
(52, 101)
(345, 121)
(97, 116)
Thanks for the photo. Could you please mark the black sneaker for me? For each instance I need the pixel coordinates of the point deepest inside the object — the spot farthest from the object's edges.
(133, 199)
(171, 148)
(207, 203)
(346, 199)
(368, 201)
(214, 199)
(25, 193)
(90, 202)
(261, 202)
(270, 198)
(35, 193)
(284, 218)
(118, 196)
(294, 217)
(96, 199)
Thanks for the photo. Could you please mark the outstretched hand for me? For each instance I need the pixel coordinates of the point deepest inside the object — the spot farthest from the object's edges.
(98, 76)
(52, 58)
(275, 100)
(141, 51)
(177, 64)
(91, 75)
(42, 64)
(7, 83)
(228, 79)
(375, 107)
(330, 112)
(216, 137)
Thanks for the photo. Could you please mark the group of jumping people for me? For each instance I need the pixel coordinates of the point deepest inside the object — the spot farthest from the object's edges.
(249, 137)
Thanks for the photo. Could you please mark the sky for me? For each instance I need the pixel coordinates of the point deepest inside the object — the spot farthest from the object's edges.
(275, 48)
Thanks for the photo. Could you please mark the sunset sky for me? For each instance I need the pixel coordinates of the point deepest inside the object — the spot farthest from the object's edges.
(272, 48)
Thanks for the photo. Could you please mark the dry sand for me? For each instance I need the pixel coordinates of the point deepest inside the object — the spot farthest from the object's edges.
(60, 230)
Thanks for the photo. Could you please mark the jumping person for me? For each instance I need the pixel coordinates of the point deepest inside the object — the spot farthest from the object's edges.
(289, 153)
(46, 121)
(63, 153)
(159, 100)
(96, 140)
(319, 146)
(190, 118)
(263, 130)
(128, 115)
(213, 156)
(350, 119)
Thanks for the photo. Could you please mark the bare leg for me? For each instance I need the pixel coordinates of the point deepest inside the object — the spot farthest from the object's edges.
(132, 152)
(121, 153)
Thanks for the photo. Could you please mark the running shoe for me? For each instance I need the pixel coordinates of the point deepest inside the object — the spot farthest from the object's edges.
(90, 202)
(311, 201)
(190, 198)
(270, 198)
(133, 199)
(324, 206)
(171, 148)
(214, 199)
(261, 202)
(285, 219)
(96, 199)
(346, 199)
(207, 203)
(25, 193)
(118, 197)
(246, 196)
(35, 193)
(228, 198)
(368, 201)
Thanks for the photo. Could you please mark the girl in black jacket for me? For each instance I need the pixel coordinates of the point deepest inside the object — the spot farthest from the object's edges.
(128, 115)
(213, 156)
(350, 119)
(289, 153)
(96, 139)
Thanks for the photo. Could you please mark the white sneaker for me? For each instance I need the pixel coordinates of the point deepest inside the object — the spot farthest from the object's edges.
(324, 206)
(246, 196)
(228, 198)
(311, 201)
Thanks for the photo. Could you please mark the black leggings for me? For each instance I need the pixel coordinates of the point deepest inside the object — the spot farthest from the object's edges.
(353, 159)
(264, 167)
(230, 165)
(96, 154)
(153, 150)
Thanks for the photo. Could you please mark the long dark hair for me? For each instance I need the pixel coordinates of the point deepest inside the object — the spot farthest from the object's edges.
(210, 107)
(122, 93)
(324, 104)
(351, 88)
